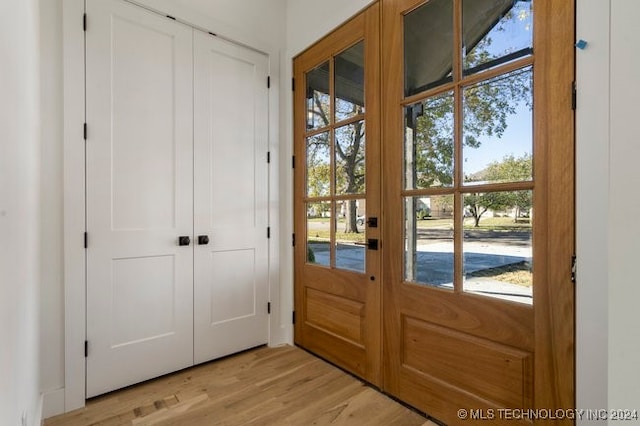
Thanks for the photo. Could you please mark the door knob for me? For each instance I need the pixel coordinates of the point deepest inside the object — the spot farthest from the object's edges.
(203, 240)
(184, 240)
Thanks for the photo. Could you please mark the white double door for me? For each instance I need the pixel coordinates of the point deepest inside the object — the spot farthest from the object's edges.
(176, 147)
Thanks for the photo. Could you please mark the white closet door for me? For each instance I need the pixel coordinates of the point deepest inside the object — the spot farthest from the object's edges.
(139, 195)
(231, 198)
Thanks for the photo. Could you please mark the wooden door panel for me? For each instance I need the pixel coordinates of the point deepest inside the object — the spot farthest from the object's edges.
(337, 311)
(488, 370)
(446, 348)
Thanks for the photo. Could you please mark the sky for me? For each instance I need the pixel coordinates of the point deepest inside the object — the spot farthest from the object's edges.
(513, 35)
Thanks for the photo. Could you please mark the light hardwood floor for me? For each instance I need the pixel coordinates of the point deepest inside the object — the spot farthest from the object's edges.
(264, 386)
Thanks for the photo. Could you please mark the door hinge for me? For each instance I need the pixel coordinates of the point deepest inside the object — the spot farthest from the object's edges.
(574, 95)
(84, 22)
(268, 307)
(268, 232)
(86, 348)
(293, 161)
(293, 317)
(293, 84)
(574, 268)
(293, 240)
(268, 82)
(86, 240)
(84, 131)
(171, 17)
(268, 157)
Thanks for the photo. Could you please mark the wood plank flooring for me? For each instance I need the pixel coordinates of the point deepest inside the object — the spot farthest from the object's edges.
(264, 386)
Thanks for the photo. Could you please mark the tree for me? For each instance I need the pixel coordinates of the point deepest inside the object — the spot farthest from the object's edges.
(349, 148)
(510, 169)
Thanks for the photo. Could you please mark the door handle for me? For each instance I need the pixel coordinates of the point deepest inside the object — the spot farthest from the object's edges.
(184, 240)
(203, 240)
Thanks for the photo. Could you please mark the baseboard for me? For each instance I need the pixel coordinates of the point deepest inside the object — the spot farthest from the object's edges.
(53, 403)
(37, 420)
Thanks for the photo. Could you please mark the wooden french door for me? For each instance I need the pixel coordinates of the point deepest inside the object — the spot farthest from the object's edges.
(337, 201)
(476, 173)
(478, 207)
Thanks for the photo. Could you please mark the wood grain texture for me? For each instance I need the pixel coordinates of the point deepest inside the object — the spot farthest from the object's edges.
(344, 324)
(554, 129)
(264, 386)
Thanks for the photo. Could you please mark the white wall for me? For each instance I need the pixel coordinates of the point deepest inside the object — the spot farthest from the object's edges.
(624, 207)
(19, 213)
(51, 232)
(592, 208)
(608, 233)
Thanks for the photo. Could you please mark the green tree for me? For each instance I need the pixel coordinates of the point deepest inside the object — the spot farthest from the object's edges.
(510, 169)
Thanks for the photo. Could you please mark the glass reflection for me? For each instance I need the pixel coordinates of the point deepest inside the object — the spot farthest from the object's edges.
(498, 129)
(349, 84)
(428, 46)
(318, 99)
(429, 240)
(350, 235)
(319, 233)
(350, 158)
(495, 32)
(497, 246)
(318, 166)
(429, 143)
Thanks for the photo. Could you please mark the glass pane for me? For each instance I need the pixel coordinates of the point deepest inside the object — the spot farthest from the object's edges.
(319, 233)
(497, 129)
(497, 245)
(349, 71)
(318, 166)
(318, 99)
(350, 159)
(428, 46)
(495, 32)
(351, 235)
(429, 143)
(429, 240)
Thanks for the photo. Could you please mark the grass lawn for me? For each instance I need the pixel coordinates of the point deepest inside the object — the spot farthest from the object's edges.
(516, 273)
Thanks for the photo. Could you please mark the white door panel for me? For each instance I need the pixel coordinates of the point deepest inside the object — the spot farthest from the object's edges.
(139, 195)
(231, 198)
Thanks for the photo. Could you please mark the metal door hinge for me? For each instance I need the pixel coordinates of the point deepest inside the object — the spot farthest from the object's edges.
(268, 157)
(293, 84)
(86, 240)
(574, 96)
(293, 240)
(293, 161)
(268, 232)
(171, 17)
(268, 82)
(268, 307)
(84, 131)
(84, 22)
(373, 244)
(293, 317)
(86, 348)
(574, 268)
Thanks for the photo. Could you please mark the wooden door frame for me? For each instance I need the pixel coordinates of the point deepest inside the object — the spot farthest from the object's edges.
(72, 396)
(553, 339)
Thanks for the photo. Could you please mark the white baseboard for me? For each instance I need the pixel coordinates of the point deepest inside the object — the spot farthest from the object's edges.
(53, 403)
